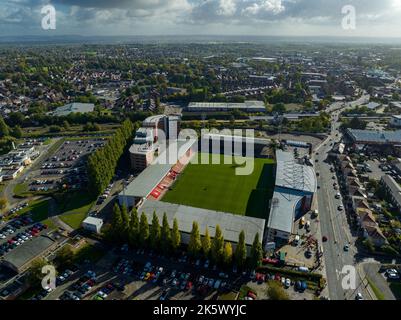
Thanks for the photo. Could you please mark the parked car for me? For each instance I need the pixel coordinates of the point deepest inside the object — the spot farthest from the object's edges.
(287, 283)
(359, 296)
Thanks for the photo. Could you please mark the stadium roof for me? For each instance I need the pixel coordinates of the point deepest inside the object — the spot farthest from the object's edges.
(230, 224)
(147, 180)
(74, 108)
(144, 183)
(282, 210)
(383, 137)
(235, 138)
(293, 182)
(292, 175)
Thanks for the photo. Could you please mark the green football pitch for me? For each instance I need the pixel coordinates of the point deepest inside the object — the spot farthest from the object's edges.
(217, 187)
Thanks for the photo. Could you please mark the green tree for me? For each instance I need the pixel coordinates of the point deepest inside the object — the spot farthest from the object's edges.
(35, 274)
(240, 251)
(165, 235)
(133, 233)
(154, 236)
(66, 125)
(175, 236)
(276, 292)
(125, 221)
(65, 256)
(3, 203)
(4, 130)
(195, 244)
(217, 246)
(206, 243)
(143, 230)
(256, 252)
(368, 243)
(17, 132)
(279, 108)
(117, 224)
(227, 254)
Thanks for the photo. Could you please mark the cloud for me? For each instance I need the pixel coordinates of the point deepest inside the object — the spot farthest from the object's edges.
(200, 16)
(227, 7)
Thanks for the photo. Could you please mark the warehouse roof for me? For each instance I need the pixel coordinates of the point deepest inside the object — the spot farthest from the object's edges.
(224, 105)
(230, 224)
(74, 108)
(28, 251)
(375, 136)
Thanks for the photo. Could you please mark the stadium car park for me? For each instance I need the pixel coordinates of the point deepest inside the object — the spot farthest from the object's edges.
(65, 167)
(140, 274)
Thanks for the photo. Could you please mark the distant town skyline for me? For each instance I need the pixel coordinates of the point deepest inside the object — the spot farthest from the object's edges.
(211, 17)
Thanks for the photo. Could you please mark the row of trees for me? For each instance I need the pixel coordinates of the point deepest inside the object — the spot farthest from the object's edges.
(103, 162)
(135, 230)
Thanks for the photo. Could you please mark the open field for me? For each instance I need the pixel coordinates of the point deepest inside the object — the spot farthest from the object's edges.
(217, 187)
(75, 207)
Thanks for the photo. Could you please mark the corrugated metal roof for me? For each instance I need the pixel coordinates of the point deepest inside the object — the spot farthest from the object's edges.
(28, 251)
(293, 175)
(142, 185)
(230, 224)
(375, 136)
(147, 180)
(282, 209)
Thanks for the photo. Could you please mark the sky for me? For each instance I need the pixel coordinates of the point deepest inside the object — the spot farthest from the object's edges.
(373, 18)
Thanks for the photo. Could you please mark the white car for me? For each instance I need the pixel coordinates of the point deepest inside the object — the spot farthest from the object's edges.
(287, 283)
(102, 294)
(392, 275)
(359, 296)
(338, 196)
(2, 236)
(48, 289)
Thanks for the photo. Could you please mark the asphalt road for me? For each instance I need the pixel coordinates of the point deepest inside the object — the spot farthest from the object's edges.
(333, 222)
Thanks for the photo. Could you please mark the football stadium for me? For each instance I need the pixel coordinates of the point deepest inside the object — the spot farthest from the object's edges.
(277, 191)
(217, 187)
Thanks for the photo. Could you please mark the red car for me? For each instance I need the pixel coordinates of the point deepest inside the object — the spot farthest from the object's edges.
(189, 285)
(270, 261)
(252, 295)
